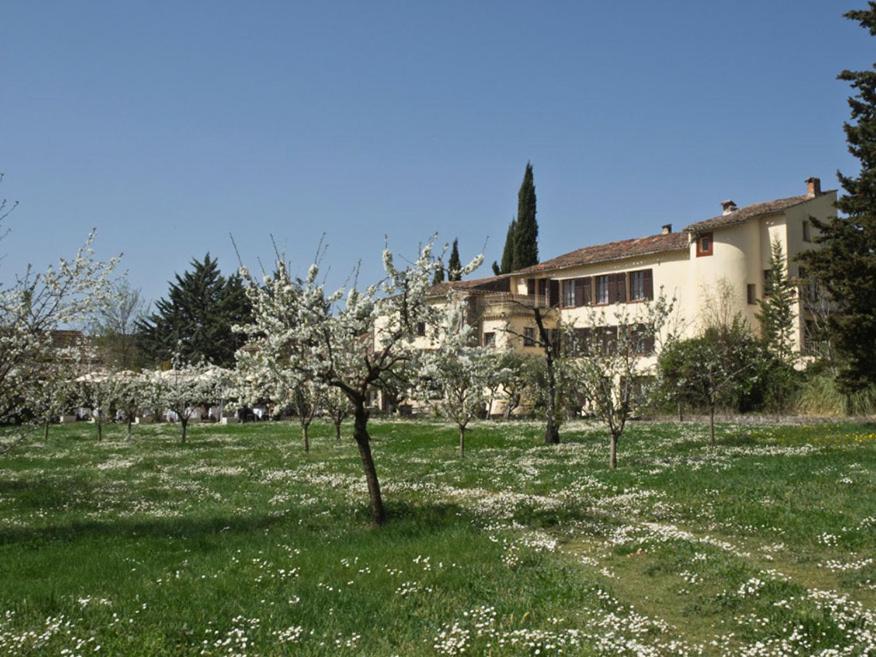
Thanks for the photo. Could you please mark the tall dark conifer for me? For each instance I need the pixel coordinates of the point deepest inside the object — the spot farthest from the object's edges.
(454, 265)
(845, 265)
(438, 278)
(196, 316)
(526, 230)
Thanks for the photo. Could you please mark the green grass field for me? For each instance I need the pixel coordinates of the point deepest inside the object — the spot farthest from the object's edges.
(241, 544)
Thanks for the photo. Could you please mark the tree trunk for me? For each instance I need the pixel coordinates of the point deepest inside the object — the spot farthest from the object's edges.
(612, 452)
(680, 412)
(551, 433)
(712, 424)
(185, 425)
(305, 433)
(130, 431)
(99, 422)
(338, 430)
(46, 431)
(363, 441)
(462, 441)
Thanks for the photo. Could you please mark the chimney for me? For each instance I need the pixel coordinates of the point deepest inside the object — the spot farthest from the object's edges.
(813, 187)
(666, 229)
(728, 206)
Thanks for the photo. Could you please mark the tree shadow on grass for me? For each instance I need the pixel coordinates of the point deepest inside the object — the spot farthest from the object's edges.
(176, 528)
(402, 519)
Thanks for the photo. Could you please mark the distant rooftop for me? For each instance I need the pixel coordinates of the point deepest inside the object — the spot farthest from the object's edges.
(612, 251)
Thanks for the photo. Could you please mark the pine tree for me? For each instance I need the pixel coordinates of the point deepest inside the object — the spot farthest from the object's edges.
(846, 264)
(776, 313)
(196, 316)
(526, 229)
(454, 265)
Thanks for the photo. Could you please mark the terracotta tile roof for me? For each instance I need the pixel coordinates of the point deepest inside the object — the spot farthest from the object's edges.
(743, 214)
(475, 285)
(613, 251)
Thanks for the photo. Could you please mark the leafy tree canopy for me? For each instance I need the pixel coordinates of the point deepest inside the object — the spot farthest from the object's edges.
(195, 319)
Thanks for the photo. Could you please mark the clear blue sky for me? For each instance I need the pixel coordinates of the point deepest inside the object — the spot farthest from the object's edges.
(168, 124)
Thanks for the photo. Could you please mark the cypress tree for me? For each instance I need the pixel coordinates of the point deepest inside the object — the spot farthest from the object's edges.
(776, 313)
(508, 251)
(526, 229)
(846, 264)
(438, 278)
(454, 265)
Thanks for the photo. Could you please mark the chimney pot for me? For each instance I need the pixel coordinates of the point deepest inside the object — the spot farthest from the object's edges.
(813, 187)
(728, 206)
(666, 229)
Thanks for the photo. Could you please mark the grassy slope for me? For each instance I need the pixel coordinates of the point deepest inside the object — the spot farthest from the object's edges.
(240, 544)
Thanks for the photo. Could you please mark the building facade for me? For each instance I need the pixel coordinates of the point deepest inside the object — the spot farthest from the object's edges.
(717, 265)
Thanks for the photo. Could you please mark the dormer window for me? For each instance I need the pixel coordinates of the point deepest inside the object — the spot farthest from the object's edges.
(705, 245)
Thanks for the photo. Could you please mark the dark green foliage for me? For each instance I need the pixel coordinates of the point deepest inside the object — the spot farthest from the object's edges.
(438, 278)
(776, 313)
(726, 367)
(846, 264)
(196, 317)
(526, 230)
(507, 265)
(454, 265)
(521, 241)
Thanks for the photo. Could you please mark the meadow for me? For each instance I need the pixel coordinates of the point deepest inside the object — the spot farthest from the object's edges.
(238, 543)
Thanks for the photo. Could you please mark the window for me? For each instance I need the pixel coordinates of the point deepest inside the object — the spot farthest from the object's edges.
(602, 289)
(421, 329)
(607, 339)
(705, 245)
(807, 231)
(528, 337)
(751, 293)
(553, 297)
(808, 286)
(617, 288)
(489, 338)
(641, 285)
(584, 292)
(643, 340)
(569, 294)
(530, 286)
(581, 341)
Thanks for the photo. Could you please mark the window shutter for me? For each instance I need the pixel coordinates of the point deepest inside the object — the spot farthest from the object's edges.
(649, 284)
(617, 288)
(554, 287)
(579, 290)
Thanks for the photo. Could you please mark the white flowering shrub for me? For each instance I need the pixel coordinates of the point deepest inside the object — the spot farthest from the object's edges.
(456, 375)
(33, 306)
(187, 388)
(352, 339)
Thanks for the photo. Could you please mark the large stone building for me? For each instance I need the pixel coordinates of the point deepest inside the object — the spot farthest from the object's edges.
(721, 261)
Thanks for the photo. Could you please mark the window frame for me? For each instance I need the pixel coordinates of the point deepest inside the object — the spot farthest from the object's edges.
(701, 252)
(597, 297)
